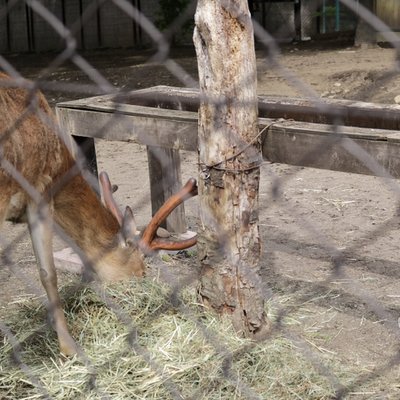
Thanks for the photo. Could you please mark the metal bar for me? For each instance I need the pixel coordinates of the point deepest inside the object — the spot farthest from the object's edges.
(297, 19)
(337, 16)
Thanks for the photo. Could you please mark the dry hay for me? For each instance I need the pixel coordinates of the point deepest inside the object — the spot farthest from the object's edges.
(149, 343)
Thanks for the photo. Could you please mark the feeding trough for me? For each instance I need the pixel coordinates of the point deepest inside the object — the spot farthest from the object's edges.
(365, 138)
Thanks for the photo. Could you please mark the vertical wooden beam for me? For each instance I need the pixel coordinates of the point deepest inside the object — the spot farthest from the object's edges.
(85, 144)
(165, 180)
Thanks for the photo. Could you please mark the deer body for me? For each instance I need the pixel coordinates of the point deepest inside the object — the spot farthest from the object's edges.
(39, 183)
(29, 144)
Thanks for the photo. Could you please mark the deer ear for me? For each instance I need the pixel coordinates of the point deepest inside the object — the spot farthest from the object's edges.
(128, 228)
(107, 198)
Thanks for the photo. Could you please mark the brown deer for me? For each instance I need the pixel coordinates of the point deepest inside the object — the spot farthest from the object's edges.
(40, 184)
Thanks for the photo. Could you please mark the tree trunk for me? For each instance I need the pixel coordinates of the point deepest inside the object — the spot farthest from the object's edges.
(229, 162)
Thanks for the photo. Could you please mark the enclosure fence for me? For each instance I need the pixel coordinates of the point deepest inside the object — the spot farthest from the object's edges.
(362, 137)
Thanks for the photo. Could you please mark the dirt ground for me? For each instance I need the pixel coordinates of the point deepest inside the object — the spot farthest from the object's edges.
(319, 210)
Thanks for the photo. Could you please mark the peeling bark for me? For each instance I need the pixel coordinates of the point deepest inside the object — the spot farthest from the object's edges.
(229, 158)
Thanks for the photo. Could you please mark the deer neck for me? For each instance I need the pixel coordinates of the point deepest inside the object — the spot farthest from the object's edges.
(79, 211)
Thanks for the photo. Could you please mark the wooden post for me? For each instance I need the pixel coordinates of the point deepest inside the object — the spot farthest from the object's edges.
(229, 160)
(165, 180)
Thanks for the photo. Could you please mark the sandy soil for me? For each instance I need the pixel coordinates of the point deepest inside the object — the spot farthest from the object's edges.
(317, 212)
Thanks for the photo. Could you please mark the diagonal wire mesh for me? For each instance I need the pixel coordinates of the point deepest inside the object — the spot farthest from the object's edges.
(322, 288)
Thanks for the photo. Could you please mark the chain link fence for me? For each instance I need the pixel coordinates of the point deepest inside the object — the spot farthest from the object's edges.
(329, 265)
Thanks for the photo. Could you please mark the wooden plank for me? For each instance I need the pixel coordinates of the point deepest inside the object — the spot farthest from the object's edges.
(161, 98)
(352, 132)
(353, 113)
(327, 111)
(165, 180)
(136, 110)
(139, 128)
(324, 111)
(168, 128)
(317, 147)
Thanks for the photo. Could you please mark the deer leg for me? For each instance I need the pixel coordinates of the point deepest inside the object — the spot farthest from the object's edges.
(40, 227)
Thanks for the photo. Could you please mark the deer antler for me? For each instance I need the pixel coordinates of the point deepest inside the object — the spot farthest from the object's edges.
(149, 242)
(108, 199)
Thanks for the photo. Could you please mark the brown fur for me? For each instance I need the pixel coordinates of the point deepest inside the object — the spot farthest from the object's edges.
(40, 156)
(31, 145)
